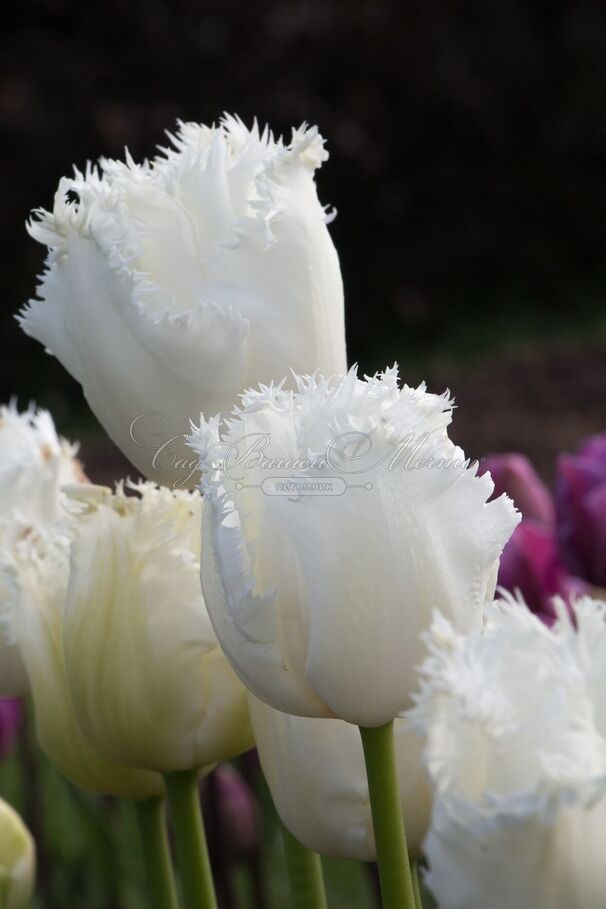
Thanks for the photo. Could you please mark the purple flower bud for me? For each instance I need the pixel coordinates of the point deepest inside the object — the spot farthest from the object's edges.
(10, 717)
(531, 564)
(513, 474)
(581, 510)
(238, 809)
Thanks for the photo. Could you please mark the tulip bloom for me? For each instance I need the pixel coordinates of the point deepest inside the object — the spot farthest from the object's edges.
(41, 571)
(317, 777)
(338, 517)
(17, 860)
(516, 750)
(34, 464)
(531, 563)
(172, 285)
(10, 717)
(238, 814)
(149, 684)
(581, 509)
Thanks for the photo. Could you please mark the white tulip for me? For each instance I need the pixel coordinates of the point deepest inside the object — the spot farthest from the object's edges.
(34, 464)
(319, 600)
(150, 686)
(172, 285)
(317, 777)
(40, 573)
(515, 721)
(17, 860)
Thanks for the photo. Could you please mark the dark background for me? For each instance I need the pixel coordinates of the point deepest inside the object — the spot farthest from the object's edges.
(468, 145)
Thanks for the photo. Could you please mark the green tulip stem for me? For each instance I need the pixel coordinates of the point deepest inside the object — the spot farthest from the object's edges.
(3, 888)
(193, 862)
(304, 873)
(414, 867)
(162, 891)
(397, 890)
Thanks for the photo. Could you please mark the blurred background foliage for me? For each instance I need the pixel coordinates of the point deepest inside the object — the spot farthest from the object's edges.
(467, 146)
(89, 853)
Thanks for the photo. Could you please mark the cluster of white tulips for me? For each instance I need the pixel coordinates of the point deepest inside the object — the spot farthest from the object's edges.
(310, 553)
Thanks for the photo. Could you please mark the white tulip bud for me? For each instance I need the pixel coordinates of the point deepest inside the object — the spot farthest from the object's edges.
(40, 573)
(319, 592)
(317, 777)
(17, 860)
(173, 284)
(515, 726)
(149, 683)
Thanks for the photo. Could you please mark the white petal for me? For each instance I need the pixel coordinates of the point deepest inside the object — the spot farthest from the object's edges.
(150, 686)
(339, 587)
(172, 285)
(516, 750)
(34, 465)
(38, 629)
(132, 365)
(18, 862)
(262, 637)
(519, 864)
(316, 774)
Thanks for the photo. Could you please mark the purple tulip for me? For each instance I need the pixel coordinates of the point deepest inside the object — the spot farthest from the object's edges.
(232, 812)
(581, 510)
(10, 717)
(513, 473)
(239, 810)
(531, 564)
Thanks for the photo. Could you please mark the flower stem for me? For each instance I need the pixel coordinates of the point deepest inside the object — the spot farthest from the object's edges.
(190, 840)
(162, 892)
(397, 889)
(304, 873)
(414, 868)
